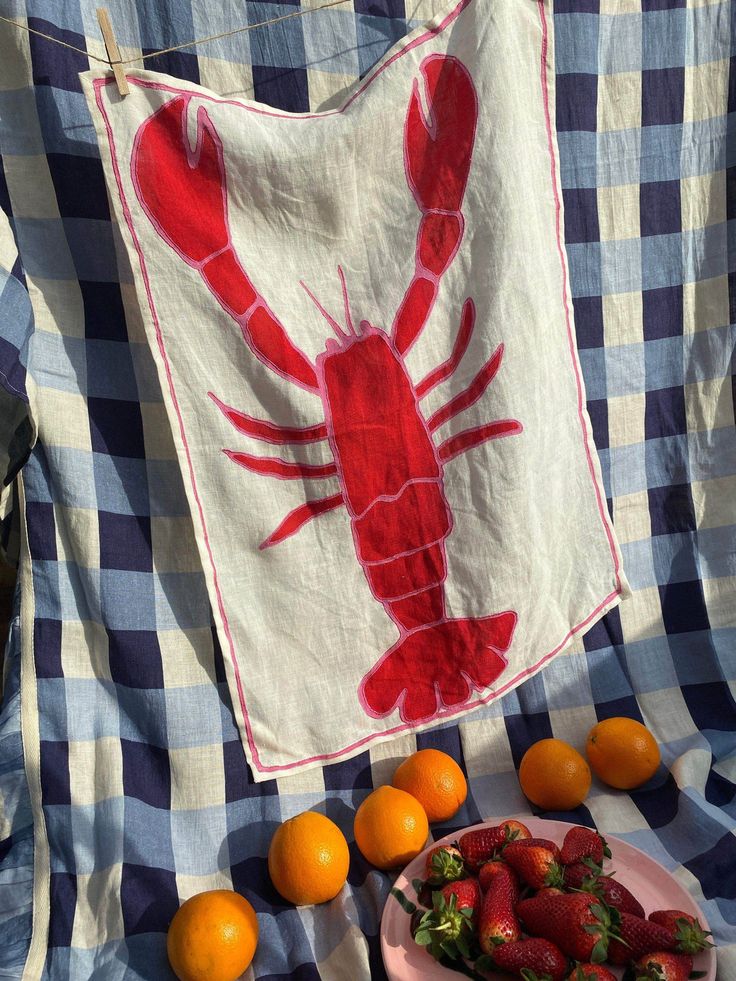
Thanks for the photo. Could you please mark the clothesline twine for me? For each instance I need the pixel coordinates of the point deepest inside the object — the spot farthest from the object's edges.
(175, 47)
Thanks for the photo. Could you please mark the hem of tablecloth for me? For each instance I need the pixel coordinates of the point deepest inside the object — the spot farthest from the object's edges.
(31, 737)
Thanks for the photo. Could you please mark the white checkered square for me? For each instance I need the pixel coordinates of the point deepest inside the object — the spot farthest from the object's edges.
(622, 318)
(705, 304)
(95, 770)
(703, 200)
(641, 615)
(187, 657)
(197, 775)
(98, 911)
(619, 101)
(631, 517)
(85, 650)
(626, 415)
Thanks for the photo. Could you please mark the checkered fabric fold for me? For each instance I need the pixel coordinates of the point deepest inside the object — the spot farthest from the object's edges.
(132, 779)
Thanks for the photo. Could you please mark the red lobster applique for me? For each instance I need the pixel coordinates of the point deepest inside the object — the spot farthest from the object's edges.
(389, 469)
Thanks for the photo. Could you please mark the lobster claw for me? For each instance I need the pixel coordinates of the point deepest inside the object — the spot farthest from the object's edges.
(182, 190)
(438, 148)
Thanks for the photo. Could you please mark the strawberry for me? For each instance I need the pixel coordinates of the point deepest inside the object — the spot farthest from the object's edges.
(466, 892)
(638, 937)
(542, 843)
(446, 930)
(588, 877)
(480, 845)
(590, 972)
(490, 870)
(531, 958)
(580, 925)
(663, 965)
(536, 864)
(497, 923)
(689, 935)
(548, 891)
(583, 843)
(444, 864)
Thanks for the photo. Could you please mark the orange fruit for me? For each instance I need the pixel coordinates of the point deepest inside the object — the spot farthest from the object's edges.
(212, 937)
(436, 781)
(391, 827)
(553, 775)
(308, 859)
(622, 752)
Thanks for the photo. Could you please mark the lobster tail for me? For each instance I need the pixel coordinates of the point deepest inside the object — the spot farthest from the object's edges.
(438, 667)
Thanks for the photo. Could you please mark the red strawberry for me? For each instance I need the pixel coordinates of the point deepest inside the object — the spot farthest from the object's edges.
(580, 925)
(447, 928)
(583, 843)
(542, 843)
(480, 845)
(689, 935)
(467, 893)
(444, 864)
(536, 864)
(534, 957)
(639, 937)
(663, 965)
(490, 870)
(497, 923)
(590, 972)
(548, 891)
(605, 887)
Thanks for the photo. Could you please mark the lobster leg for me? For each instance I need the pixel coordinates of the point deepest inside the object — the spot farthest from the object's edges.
(437, 156)
(443, 371)
(269, 432)
(271, 466)
(297, 518)
(469, 438)
(184, 194)
(471, 394)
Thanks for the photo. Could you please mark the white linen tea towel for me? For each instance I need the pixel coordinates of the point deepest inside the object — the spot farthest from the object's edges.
(362, 325)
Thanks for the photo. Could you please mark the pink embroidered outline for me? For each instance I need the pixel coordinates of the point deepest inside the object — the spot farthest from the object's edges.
(467, 706)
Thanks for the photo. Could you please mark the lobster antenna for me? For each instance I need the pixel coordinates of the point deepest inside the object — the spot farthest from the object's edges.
(330, 319)
(348, 318)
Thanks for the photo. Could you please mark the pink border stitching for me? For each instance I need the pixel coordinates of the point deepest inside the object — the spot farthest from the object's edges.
(441, 717)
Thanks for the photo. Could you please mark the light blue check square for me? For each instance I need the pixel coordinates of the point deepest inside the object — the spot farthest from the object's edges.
(181, 601)
(53, 721)
(192, 716)
(145, 954)
(620, 44)
(566, 683)
(717, 552)
(46, 587)
(695, 655)
(667, 461)
(664, 363)
(59, 362)
(79, 592)
(330, 42)
(706, 252)
(576, 43)
(708, 146)
(157, 28)
(709, 33)
(585, 268)
(608, 677)
(375, 35)
(628, 469)
(47, 10)
(695, 828)
(143, 715)
(110, 370)
(663, 38)
(639, 563)
(207, 826)
(148, 836)
(577, 158)
(650, 664)
(76, 488)
(16, 314)
(593, 365)
(618, 157)
(18, 137)
(675, 557)
(92, 248)
(167, 496)
(144, 368)
(279, 45)
(93, 710)
(58, 819)
(661, 148)
(66, 123)
(121, 484)
(661, 261)
(127, 599)
(44, 248)
(621, 266)
(708, 354)
(97, 834)
(625, 370)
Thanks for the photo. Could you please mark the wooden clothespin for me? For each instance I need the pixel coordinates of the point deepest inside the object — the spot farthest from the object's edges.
(113, 52)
